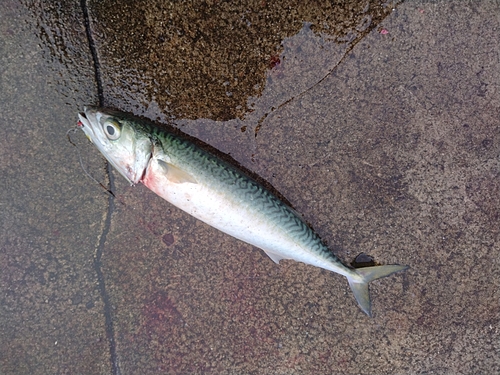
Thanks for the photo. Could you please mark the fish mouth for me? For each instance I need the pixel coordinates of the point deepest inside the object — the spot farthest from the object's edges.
(85, 122)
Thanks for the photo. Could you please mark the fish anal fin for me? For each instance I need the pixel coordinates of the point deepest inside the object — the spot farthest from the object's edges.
(175, 174)
(275, 257)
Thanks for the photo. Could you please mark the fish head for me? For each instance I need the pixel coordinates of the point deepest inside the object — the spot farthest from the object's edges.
(126, 147)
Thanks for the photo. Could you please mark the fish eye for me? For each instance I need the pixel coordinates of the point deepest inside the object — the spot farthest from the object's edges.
(112, 129)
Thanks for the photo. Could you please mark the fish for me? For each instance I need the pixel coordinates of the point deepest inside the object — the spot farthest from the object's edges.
(216, 192)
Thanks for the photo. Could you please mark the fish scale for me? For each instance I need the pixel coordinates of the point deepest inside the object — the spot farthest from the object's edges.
(252, 191)
(217, 193)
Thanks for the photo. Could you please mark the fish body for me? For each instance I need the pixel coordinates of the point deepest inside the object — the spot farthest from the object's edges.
(216, 193)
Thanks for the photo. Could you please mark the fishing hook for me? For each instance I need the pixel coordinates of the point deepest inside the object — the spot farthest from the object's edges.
(81, 163)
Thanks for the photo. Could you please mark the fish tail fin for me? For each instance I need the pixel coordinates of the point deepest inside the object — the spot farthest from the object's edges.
(367, 274)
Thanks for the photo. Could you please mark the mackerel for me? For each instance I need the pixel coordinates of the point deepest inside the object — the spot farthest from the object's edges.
(217, 193)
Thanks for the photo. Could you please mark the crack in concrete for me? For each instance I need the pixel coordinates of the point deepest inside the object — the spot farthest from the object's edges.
(93, 51)
(301, 94)
(328, 74)
(110, 333)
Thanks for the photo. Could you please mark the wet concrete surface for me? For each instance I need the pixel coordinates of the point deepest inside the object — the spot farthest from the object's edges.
(205, 59)
(51, 308)
(387, 142)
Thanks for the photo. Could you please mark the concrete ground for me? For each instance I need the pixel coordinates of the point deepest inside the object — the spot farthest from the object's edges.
(379, 123)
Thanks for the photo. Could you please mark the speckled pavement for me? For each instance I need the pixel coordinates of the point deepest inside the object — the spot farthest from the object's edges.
(379, 124)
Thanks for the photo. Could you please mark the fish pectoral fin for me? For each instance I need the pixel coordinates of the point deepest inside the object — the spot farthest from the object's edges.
(275, 257)
(175, 174)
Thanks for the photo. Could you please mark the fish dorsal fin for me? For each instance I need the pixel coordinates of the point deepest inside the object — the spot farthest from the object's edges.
(175, 174)
(276, 258)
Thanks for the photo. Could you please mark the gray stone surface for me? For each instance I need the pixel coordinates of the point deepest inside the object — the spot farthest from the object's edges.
(51, 311)
(388, 143)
